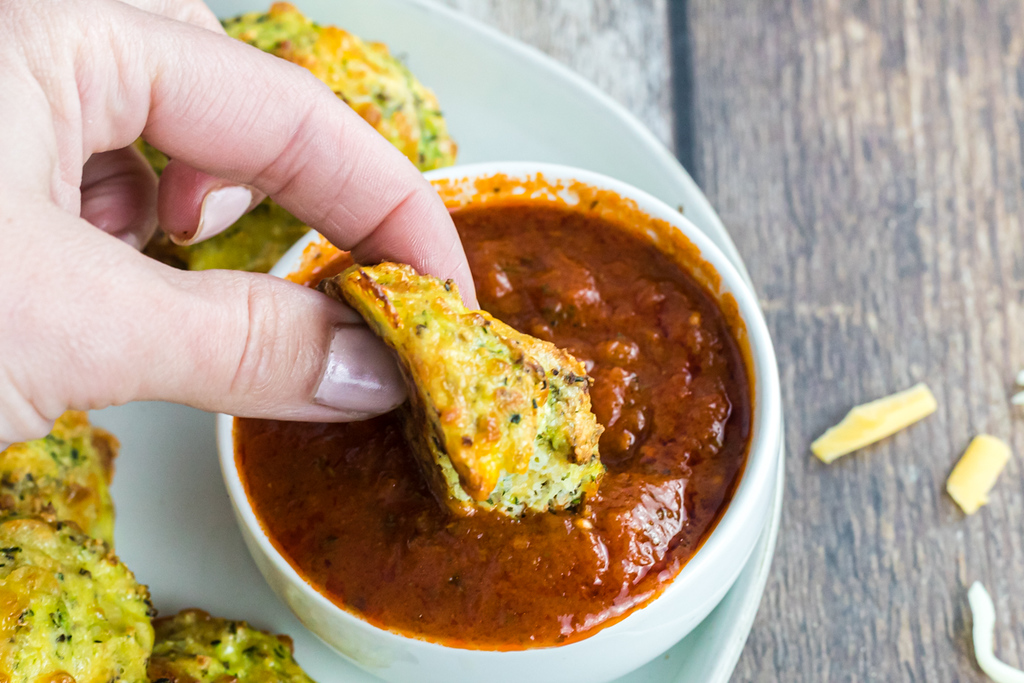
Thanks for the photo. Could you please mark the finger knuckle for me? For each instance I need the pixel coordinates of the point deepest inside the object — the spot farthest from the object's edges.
(20, 419)
(268, 346)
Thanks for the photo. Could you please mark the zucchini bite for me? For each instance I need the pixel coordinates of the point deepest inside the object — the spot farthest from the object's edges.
(69, 610)
(193, 647)
(498, 420)
(63, 476)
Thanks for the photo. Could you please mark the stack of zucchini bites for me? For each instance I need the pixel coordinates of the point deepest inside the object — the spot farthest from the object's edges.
(70, 611)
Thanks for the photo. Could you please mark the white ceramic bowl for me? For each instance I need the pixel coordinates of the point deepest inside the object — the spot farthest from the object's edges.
(648, 631)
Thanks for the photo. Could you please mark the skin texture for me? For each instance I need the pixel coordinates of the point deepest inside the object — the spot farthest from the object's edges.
(193, 647)
(88, 321)
(68, 607)
(498, 420)
(377, 86)
(63, 476)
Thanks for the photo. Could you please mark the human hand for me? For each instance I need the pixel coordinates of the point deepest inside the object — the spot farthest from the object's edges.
(85, 320)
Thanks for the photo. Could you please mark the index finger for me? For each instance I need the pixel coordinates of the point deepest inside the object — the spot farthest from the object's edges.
(235, 112)
(190, 11)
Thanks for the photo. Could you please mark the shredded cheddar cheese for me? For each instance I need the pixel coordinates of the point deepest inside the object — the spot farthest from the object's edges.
(871, 422)
(976, 473)
(983, 613)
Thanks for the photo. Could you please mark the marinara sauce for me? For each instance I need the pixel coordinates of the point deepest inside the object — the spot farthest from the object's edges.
(345, 503)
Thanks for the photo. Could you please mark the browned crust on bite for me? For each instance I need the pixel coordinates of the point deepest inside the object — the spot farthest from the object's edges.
(491, 409)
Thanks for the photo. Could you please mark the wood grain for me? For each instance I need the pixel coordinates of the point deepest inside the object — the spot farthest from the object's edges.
(867, 159)
(622, 46)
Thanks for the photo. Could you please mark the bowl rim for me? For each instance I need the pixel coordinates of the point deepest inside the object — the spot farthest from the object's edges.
(748, 495)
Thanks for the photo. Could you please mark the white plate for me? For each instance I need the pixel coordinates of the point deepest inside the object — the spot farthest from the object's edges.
(503, 100)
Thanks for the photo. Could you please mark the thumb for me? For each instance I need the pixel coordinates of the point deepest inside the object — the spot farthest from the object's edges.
(110, 326)
(259, 346)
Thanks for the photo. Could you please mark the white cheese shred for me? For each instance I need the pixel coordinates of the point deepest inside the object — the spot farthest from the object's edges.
(1018, 399)
(983, 613)
(1020, 378)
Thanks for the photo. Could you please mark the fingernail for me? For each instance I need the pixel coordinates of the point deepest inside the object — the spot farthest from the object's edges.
(221, 208)
(362, 375)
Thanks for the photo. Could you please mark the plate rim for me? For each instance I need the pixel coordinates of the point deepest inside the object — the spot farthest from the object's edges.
(737, 640)
(626, 117)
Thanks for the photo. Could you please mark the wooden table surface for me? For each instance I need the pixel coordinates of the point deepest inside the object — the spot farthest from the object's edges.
(868, 159)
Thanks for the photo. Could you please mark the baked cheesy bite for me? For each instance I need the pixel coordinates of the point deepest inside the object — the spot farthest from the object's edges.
(368, 78)
(63, 476)
(497, 419)
(364, 74)
(70, 611)
(193, 647)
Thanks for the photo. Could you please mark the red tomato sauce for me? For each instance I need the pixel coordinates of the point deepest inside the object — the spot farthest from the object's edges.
(346, 504)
